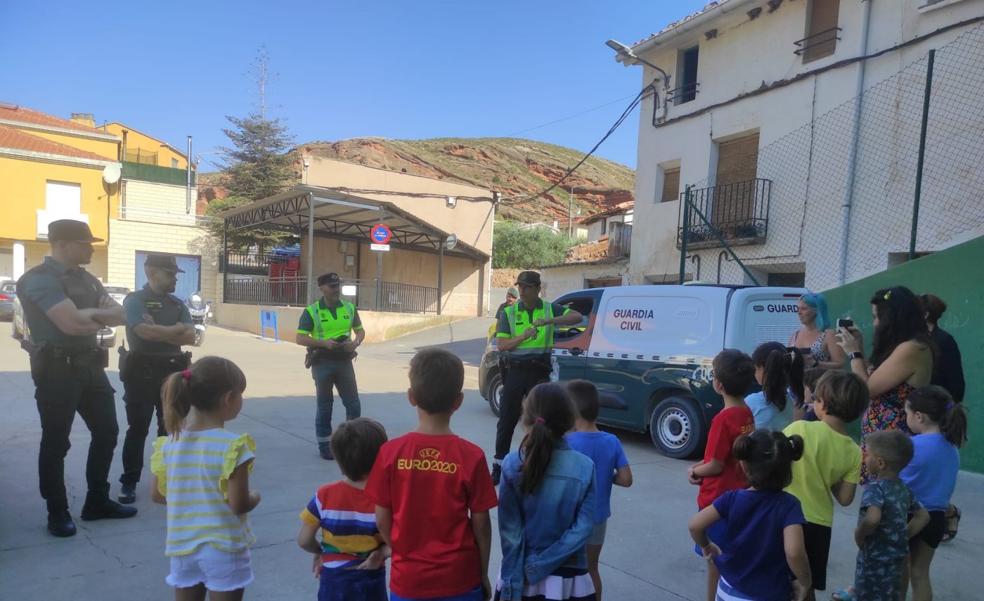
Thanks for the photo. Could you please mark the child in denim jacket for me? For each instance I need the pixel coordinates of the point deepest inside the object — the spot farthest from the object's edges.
(546, 506)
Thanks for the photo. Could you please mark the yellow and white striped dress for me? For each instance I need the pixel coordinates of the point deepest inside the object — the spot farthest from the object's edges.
(193, 473)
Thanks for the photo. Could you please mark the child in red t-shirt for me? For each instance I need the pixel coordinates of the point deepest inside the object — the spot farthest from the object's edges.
(433, 493)
(719, 472)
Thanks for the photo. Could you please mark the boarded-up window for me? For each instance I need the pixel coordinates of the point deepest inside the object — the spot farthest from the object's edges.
(734, 190)
(821, 29)
(671, 185)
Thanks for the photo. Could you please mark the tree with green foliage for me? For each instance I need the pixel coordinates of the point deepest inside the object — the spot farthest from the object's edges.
(258, 165)
(516, 247)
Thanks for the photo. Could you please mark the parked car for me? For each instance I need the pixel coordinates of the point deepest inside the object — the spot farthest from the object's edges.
(649, 350)
(8, 292)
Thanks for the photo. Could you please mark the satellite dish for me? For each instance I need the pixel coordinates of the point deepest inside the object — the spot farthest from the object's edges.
(112, 173)
(450, 242)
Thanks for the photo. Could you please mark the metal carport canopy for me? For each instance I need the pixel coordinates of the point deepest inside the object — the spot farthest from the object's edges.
(343, 216)
(332, 213)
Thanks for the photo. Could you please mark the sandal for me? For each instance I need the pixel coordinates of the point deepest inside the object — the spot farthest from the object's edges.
(845, 594)
(952, 519)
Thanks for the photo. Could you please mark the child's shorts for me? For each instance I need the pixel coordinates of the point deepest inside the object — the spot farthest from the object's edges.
(598, 534)
(932, 534)
(816, 539)
(726, 592)
(343, 584)
(219, 571)
(718, 534)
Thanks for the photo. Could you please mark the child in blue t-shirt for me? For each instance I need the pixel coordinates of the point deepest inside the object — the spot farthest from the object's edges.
(611, 465)
(766, 557)
(940, 428)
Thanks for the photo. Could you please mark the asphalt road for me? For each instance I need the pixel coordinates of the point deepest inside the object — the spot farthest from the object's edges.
(647, 555)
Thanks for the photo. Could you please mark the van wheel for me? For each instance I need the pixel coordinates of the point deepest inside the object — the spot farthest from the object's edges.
(676, 428)
(494, 393)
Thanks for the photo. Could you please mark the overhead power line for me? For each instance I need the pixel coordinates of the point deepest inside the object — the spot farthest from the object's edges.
(618, 122)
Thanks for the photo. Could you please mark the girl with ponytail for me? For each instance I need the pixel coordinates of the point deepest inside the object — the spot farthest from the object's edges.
(201, 472)
(939, 426)
(546, 506)
(764, 524)
(779, 370)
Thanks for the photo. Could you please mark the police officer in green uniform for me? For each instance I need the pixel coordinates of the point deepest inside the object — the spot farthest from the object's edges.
(65, 307)
(157, 324)
(325, 329)
(524, 337)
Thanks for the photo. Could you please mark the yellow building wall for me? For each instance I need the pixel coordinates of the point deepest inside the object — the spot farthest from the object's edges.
(135, 139)
(109, 149)
(23, 193)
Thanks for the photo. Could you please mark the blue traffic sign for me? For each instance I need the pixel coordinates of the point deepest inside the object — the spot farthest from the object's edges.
(380, 234)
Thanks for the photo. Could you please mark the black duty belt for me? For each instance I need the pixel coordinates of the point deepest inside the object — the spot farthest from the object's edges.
(539, 361)
(71, 355)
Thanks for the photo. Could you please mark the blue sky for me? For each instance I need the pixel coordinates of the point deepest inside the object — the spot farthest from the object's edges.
(397, 69)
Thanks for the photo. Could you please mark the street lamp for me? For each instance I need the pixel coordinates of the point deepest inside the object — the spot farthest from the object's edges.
(626, 52)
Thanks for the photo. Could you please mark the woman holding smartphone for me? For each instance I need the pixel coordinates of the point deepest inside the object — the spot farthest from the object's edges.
(901, 359)
(814, 339)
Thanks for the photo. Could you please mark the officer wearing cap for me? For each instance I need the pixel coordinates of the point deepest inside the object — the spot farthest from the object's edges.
(65, 307)
(157, 324)
(325, 328)
(524, 337)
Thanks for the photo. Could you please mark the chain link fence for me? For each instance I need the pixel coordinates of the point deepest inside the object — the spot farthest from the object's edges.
(843, 201)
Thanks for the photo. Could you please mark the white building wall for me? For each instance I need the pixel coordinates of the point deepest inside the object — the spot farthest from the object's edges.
(804, 222)
(154, 220)
(568, 278)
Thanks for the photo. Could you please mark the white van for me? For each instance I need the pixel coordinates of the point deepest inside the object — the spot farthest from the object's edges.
(649, 350)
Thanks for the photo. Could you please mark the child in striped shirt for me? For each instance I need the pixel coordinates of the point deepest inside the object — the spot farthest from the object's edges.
(350, 558)
(201, 471)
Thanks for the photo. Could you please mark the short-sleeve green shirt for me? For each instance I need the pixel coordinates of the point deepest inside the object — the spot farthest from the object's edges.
(163, 309)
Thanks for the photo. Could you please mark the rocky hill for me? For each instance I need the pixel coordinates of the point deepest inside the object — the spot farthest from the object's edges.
(512, 166)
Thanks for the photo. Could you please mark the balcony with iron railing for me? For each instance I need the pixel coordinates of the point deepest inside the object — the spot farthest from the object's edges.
(820, 44)
(735, 214)
(684, 93)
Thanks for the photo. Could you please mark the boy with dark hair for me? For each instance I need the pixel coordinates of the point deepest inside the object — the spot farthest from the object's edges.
(432, 472)
(720, 471)
(890, 515)
(831, 464)
(611, 466)
(347, 520)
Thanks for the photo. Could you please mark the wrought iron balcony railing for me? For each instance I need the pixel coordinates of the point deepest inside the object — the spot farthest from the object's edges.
(734, 214)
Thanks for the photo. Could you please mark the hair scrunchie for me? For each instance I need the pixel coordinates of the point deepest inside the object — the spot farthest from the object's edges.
(186, 374)
(539, 420)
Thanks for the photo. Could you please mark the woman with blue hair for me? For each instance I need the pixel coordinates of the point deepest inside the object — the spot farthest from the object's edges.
(815, 338)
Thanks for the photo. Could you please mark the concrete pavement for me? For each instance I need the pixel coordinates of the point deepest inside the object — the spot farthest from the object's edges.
(648, 554)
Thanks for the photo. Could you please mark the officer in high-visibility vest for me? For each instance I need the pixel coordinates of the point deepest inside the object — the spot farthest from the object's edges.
(524, 337)
(325, 329)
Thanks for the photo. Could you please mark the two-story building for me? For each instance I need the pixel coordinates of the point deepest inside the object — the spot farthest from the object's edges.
(783, 117)
(135, 192)
(53, 168)
(158, 213)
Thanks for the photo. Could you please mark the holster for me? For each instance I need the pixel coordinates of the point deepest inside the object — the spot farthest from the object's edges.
(153, 364)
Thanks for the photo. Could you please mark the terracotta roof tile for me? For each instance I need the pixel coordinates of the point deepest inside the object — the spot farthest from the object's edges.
(14, 138)
(680, 22)
(21, 114)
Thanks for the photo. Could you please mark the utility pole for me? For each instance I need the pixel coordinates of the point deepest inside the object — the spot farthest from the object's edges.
(570, 214)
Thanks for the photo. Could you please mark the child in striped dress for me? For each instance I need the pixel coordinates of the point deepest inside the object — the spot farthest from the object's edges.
(201, 471)
(350, 557)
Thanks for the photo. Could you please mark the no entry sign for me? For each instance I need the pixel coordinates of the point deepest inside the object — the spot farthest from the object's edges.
(380, 234)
